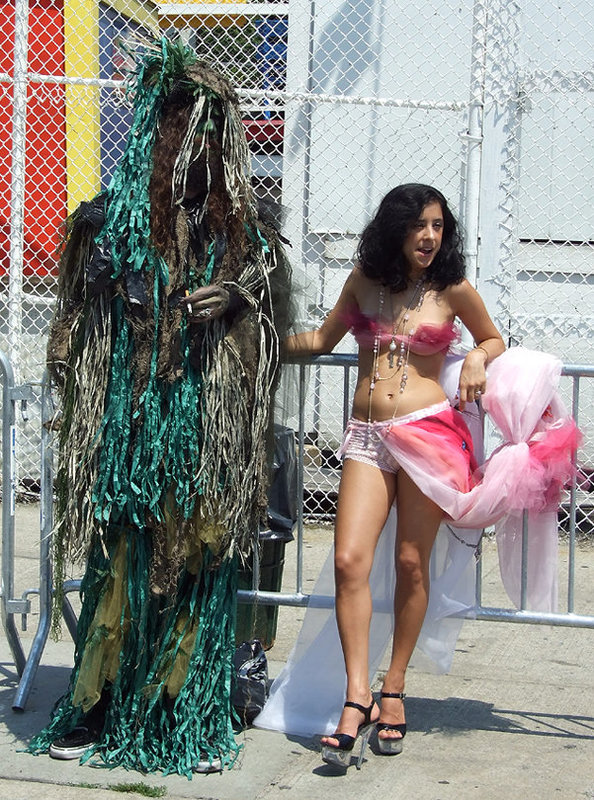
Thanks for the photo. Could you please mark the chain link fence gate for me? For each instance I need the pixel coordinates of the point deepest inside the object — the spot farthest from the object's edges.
(489, 101)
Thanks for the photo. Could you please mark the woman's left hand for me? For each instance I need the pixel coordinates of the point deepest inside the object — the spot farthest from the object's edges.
(207, 303)
(473, 378)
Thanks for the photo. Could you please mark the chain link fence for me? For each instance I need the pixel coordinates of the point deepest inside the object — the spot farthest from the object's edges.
(489, 101)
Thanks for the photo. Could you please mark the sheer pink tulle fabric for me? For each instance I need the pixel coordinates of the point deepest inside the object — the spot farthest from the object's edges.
(527, 471)
(437, 453)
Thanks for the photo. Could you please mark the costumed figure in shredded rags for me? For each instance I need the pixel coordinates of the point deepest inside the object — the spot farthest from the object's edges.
(172, 299)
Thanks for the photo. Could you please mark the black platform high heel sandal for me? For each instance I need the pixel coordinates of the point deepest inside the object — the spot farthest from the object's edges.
(340, 755)
(391, 746)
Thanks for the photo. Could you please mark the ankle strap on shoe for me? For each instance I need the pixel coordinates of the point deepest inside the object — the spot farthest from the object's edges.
(397, 695)
(358, 706)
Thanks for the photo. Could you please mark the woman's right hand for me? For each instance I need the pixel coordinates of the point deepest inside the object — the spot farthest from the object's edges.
(473, 377)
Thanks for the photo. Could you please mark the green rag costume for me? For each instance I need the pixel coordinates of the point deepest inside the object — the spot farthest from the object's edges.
(161, 483)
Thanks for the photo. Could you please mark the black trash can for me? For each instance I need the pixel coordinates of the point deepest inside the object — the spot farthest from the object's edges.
(256, 620)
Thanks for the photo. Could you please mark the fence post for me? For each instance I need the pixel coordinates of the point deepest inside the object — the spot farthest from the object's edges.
(17, 188)
(8, 511)
(45, 564)
(474, 139)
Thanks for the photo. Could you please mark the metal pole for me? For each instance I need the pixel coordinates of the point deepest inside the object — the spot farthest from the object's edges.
(478, 576)
(346, 396)
(524, 566)
(381, 20)
(17, 189)
(8, 510)
(300, 482)
(45, 565)
(575, 404)
(474, 140)
(306, 140)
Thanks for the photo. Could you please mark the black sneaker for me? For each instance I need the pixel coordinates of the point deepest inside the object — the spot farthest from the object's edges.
(73, 744)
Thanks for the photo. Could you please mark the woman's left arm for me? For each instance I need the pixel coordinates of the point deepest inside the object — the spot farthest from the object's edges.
(468, 305)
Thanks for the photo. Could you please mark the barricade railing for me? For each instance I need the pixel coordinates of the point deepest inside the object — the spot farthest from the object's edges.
(45, 590)
(298, 598)
(11, 606)
(567, 618)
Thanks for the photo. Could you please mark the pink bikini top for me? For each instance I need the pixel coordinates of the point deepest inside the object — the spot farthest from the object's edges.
(426, 340)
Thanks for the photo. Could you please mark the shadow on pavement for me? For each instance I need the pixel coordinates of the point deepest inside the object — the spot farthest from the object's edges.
(50, 683)
(458, 715)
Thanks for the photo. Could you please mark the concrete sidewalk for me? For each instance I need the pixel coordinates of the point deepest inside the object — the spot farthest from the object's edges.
(514, 720)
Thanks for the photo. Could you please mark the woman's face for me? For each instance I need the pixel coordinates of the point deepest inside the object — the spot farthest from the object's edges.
(423, 240)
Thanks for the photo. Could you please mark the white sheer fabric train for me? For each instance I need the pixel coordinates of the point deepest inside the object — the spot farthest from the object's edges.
(308, 695)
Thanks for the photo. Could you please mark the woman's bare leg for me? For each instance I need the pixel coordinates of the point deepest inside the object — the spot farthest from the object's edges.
(364, 499)
(418, 521)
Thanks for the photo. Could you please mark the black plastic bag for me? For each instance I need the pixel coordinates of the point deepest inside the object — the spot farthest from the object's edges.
(250, 684)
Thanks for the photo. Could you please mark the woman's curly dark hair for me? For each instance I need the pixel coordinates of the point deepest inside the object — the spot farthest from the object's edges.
(380, 247)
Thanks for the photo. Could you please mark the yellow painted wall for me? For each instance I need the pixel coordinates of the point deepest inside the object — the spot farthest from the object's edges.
(187, 18)
(81, 52)
(140, 11)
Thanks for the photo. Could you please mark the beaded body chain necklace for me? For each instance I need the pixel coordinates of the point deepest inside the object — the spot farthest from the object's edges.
(403, 347)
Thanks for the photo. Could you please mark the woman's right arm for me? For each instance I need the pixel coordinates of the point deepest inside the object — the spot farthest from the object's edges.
(325, 338)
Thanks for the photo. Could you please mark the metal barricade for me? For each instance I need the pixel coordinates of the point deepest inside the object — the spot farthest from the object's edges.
(45, 590)
(299, 598)
(27, 665)
(568, 618)
(10, 605)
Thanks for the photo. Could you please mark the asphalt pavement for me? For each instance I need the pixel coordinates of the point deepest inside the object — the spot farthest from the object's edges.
(514, 719)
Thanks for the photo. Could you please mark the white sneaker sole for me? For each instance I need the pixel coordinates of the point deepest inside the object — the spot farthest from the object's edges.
(205, 766)
(68, 754)
(81, 738)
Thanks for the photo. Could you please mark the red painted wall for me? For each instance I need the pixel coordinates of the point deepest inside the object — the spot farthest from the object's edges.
(45, 168)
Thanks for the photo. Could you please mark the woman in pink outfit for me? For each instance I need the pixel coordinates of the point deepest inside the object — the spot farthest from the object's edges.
(400, 301)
